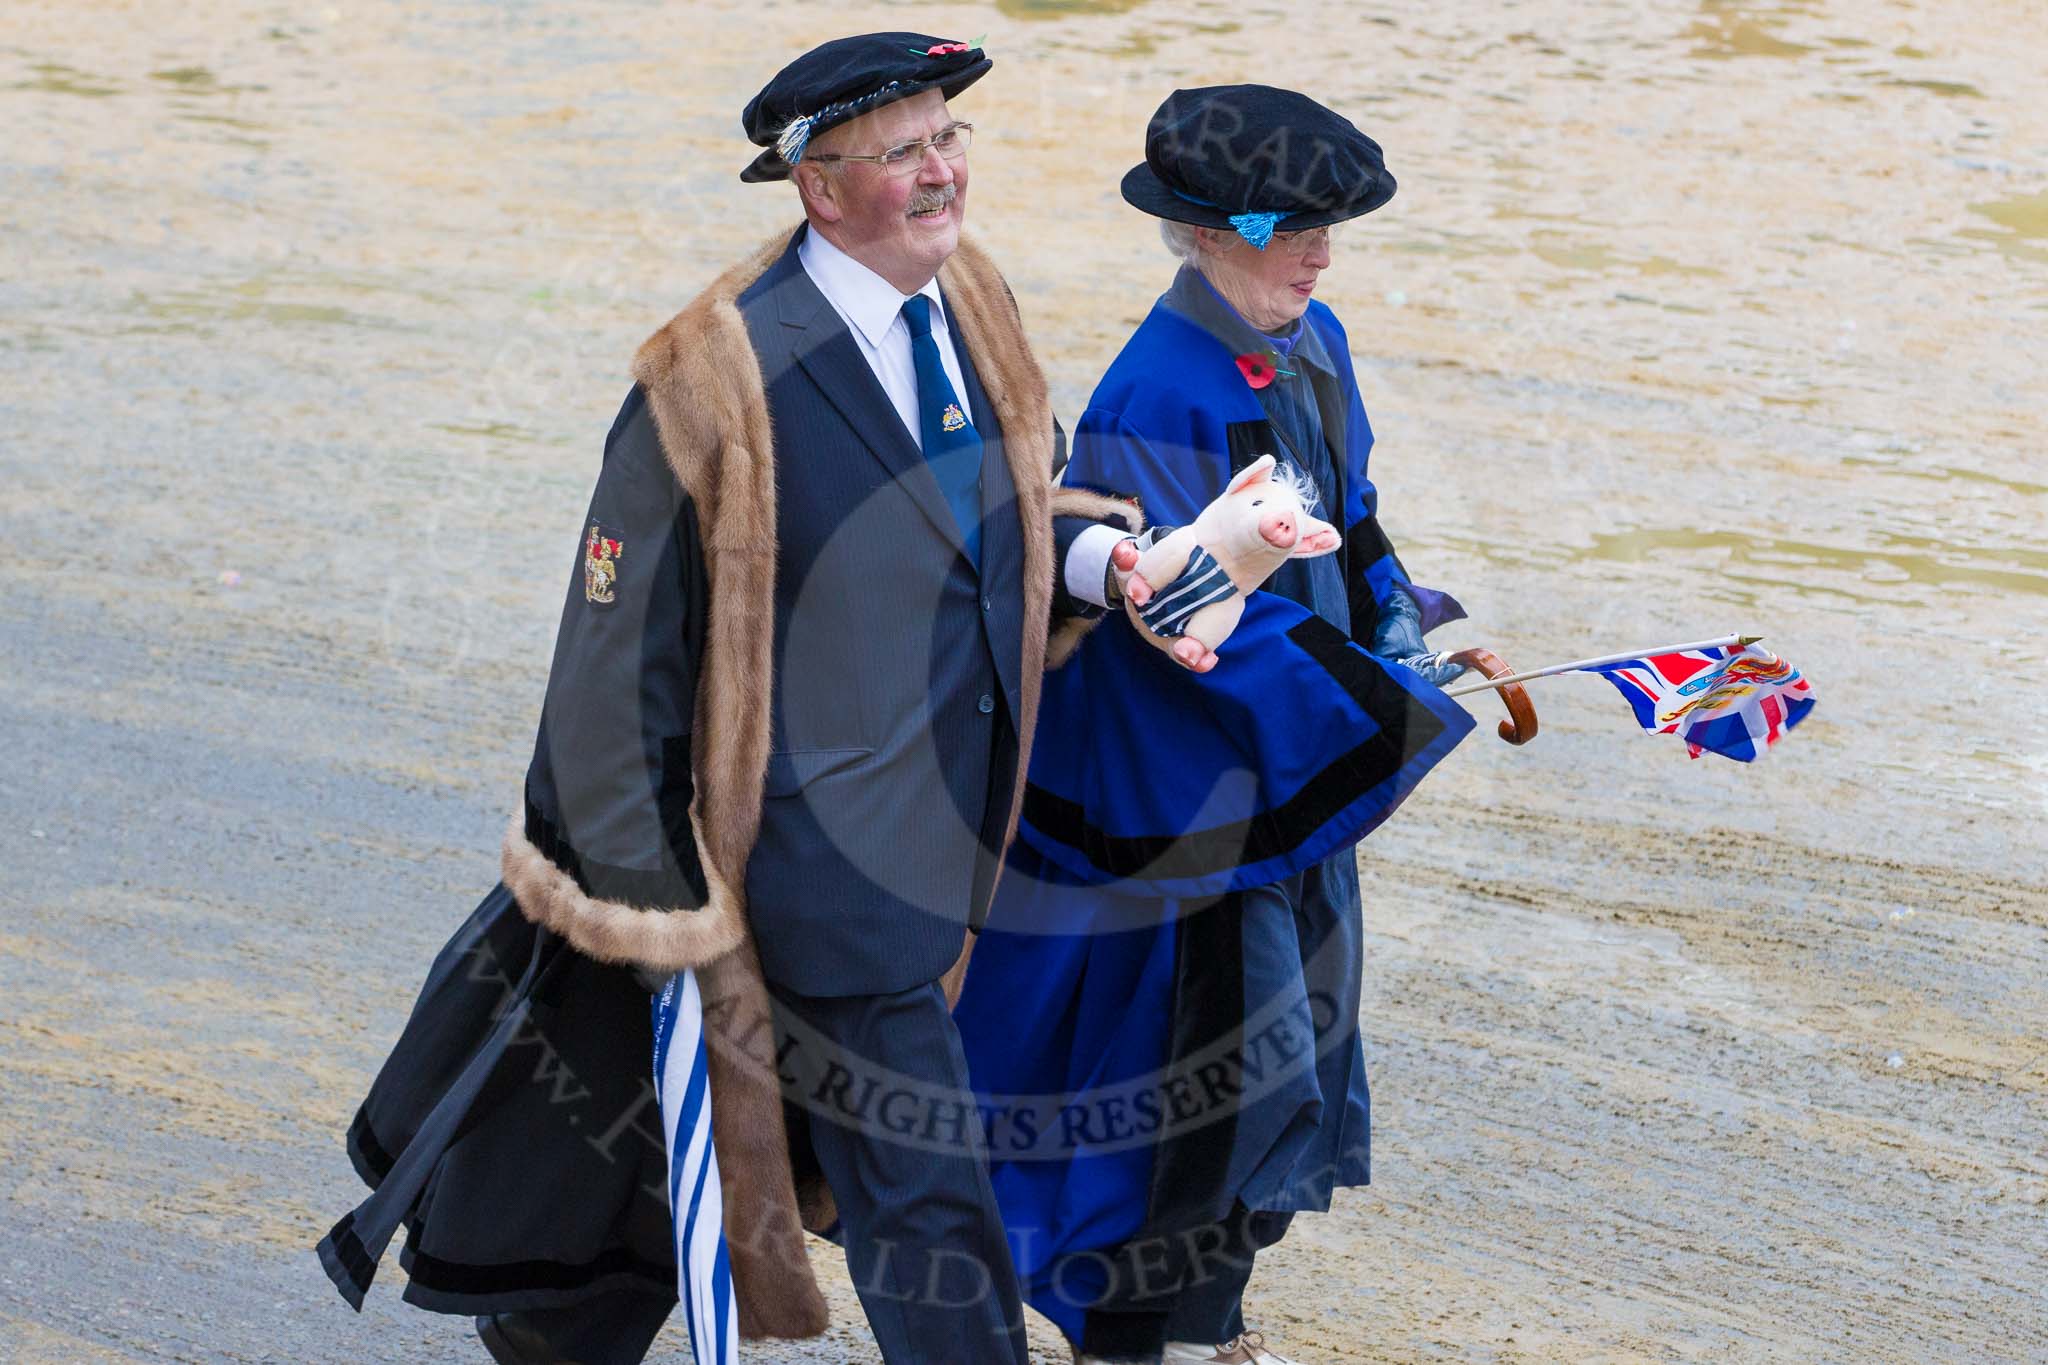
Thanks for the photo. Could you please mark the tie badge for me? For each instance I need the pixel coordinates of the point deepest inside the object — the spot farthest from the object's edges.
(953, 420)
(601, 551)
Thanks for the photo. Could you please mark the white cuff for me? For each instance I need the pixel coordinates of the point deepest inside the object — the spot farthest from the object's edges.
(1088, 562)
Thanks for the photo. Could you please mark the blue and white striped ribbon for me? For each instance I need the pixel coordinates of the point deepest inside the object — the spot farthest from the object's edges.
(682, 1082)
(1199, 584)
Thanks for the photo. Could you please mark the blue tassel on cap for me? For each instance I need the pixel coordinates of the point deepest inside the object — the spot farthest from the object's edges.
(1256, 228)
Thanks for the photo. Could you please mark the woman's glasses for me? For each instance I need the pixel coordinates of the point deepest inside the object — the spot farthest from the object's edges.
(1300, 243)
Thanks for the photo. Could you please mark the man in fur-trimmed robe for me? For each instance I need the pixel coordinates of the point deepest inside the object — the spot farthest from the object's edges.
(782, 748)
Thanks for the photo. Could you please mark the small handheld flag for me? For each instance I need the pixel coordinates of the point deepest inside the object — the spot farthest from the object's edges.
(1724, 695)
(1735, 701)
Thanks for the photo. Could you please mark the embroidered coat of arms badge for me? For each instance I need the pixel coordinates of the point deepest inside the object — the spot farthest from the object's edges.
(953, 419)
(601, 553)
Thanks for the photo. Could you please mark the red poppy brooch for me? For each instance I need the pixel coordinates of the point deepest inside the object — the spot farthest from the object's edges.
(1260, 368)
(945, 49)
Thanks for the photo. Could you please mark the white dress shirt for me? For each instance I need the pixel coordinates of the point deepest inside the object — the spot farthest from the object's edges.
(872, 310)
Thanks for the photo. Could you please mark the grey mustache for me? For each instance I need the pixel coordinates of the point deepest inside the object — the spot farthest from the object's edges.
(925, 200)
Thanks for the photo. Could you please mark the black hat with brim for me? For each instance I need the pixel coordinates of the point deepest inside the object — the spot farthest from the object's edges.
(1256, 159)
(843, 79)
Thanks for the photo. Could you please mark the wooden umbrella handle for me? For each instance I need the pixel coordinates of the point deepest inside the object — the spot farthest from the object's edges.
(1520, 726)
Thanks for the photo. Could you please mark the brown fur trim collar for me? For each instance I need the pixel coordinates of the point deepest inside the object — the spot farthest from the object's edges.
(774, 1287)
(667, 940)
(713, 422)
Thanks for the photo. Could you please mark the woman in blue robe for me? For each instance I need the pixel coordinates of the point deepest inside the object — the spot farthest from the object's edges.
(1161, 1016)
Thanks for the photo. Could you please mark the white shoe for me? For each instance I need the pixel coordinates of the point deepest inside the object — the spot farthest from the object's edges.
(1248, 1349)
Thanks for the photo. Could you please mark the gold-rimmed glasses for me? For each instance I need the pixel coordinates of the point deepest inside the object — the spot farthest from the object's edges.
(949, 142)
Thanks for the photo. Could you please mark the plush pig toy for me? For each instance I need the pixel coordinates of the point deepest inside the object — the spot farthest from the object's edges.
(1201, 572)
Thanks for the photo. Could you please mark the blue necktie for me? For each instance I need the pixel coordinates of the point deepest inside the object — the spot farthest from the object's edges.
(952, 447)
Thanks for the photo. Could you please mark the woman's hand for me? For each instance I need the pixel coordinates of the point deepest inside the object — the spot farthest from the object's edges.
(1397, 633)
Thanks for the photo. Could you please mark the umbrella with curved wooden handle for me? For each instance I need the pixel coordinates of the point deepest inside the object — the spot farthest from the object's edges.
(1520, 726)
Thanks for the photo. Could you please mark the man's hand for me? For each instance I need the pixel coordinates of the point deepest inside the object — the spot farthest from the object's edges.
(1192, 655)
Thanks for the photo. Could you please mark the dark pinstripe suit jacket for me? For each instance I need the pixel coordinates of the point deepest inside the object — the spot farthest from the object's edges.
(897, 669)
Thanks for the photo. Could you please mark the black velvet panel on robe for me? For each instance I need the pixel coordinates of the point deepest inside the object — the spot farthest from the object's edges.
(562, 1193)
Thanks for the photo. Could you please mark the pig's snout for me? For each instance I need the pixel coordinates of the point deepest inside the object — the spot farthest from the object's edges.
(1279, 529)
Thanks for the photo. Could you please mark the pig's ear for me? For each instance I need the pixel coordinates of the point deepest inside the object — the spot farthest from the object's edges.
(1317, 538)
(1258, 471)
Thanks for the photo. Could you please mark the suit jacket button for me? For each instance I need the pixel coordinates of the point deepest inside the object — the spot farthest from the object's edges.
(986, 704)
(987, 604)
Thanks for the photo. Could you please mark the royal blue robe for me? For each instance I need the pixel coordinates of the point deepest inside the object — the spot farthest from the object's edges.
(1161, 1014)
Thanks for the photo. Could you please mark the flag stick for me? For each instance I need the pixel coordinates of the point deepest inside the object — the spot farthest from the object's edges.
(1492, 683)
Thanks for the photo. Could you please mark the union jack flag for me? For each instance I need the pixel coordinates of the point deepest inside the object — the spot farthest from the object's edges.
(1735, 702)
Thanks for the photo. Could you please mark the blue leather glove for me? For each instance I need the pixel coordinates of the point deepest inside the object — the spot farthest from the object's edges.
(1435, 668)
(1398, 632)
(1397, 635)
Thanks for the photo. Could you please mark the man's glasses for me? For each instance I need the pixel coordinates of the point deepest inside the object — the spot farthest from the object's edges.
(949, 142)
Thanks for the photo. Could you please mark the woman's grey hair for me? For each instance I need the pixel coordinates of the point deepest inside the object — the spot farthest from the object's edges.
(1180, 240)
